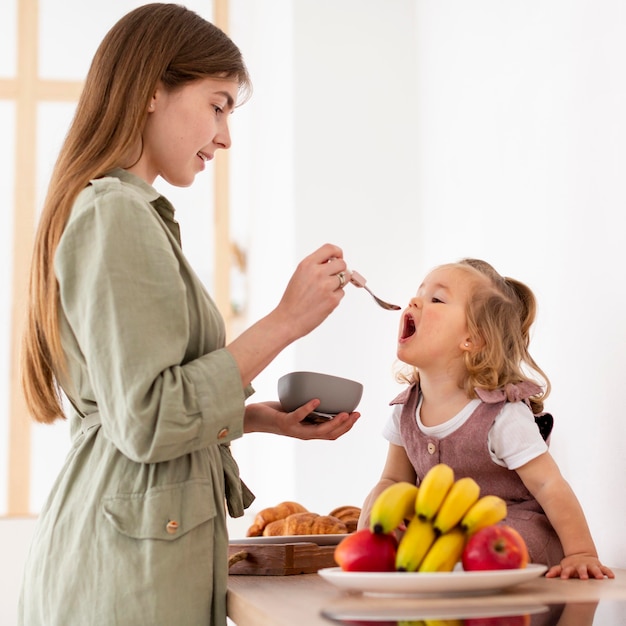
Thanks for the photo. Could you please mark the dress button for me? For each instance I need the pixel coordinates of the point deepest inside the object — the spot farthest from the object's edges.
(431, 447)
(171, 527)
(222, 433)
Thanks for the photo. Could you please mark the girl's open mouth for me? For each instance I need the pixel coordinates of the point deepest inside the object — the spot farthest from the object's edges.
(408, 327)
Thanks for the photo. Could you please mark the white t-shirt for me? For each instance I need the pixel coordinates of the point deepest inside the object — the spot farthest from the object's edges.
(513, 440)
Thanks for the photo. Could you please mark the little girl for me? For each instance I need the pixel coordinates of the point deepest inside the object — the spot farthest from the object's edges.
(471, 405)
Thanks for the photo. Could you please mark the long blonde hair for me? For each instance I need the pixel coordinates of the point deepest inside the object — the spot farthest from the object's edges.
(155, 43)
(500, 313)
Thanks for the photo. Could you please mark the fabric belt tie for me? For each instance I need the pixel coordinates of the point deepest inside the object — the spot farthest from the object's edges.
(238, 496)
(89, 421)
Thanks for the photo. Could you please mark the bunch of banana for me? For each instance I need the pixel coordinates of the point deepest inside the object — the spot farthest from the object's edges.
(445, 553)
(485, 511)
(416, 542)
(393, 506)
(463, 494)
(433, 490)
(441, 514)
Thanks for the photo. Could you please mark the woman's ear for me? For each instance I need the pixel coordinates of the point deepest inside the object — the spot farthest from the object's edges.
(467, 345)
(155, 95)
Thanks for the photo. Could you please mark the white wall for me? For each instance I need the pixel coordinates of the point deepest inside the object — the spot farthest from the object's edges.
(314, 179)
(421, 132)
(521, 116)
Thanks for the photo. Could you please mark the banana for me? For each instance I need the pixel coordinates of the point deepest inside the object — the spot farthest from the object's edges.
(462, 495)
(445, 553)
(433, 489)
(392, 506)
(486, 511)
(414, 545)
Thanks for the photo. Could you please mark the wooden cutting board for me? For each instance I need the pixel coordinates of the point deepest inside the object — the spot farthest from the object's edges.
(279, 559)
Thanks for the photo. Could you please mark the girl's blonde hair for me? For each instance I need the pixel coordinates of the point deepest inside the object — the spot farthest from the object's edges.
(155, 43)
(500, 312)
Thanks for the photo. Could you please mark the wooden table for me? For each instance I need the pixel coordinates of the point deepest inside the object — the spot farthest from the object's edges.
(298, 600)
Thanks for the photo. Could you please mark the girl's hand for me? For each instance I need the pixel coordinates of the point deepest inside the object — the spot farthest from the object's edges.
(268, 417)
(581, 566)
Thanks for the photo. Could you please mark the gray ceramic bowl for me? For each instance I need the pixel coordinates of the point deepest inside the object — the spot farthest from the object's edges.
(336, 394)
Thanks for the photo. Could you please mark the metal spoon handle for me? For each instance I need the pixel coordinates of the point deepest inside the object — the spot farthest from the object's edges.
(358, 281)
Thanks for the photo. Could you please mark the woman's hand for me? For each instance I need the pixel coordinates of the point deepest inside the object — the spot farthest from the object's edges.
(268, 417)
(314, 290)
(581, 566)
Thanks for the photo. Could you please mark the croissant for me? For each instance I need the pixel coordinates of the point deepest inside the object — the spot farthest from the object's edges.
(271, 514)
(349, 515)
(305, 523)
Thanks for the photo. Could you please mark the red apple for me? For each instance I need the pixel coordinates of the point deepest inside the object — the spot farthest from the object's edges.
(365, 551)
(495, 547)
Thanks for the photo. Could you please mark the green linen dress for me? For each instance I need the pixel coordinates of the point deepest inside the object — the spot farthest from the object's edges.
(134, 530)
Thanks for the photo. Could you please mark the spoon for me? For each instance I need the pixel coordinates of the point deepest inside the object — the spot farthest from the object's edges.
(358, 281)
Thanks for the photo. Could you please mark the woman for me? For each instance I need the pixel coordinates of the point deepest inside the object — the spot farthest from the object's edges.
(134, 531)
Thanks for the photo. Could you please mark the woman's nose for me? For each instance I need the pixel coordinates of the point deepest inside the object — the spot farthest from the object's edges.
(222, 138)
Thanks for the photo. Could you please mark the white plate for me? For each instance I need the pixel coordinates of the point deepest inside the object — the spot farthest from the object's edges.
(320, 540)
(415, 583)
